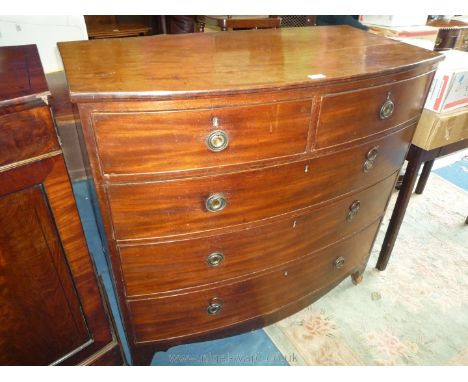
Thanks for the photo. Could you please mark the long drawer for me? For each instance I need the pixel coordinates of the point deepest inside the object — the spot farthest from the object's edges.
(356, 114)
(170, 266)
(185, 314)
(158, 209)
(192, 139)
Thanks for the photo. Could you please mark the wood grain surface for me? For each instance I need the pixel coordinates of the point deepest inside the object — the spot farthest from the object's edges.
(21, 75)
(153, 142)
(51, 308)
(301, 109)
(348, 116)
(26, 133)
(160, 318)
(158, 209)
(175, 265)
(170, 65)
(38, 296)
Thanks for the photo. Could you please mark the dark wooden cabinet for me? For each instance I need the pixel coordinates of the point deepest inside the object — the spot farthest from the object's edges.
(112, 26)
(243, 179)
(51, 308)
(38, 295)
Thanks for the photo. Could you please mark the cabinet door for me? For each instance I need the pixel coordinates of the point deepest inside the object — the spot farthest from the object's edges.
(40, 316)
(51, 311)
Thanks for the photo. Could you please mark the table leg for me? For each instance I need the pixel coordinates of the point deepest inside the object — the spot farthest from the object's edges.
(414, 164)
(424, 176)
(163, 24)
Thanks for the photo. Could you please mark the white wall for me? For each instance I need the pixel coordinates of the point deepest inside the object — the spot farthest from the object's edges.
(45, 32)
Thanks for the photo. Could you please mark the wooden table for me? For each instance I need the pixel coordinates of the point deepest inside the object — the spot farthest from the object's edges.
(416, 157)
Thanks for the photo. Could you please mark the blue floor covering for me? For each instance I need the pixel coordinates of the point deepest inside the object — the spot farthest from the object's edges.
(253, 348)
(457, 173)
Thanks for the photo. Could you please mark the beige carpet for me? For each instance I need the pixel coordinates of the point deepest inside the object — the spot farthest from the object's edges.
(414, 313)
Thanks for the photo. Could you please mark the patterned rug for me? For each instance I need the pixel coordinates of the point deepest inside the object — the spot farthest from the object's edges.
(414, 313)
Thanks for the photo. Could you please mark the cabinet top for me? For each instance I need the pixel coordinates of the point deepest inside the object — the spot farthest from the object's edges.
(21, 75)
(168, 66)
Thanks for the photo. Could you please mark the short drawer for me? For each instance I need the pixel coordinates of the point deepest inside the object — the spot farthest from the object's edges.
(166, 208)
(196, 139)
(26, 134)
(356, 114)
(214, 308)
(148, 268)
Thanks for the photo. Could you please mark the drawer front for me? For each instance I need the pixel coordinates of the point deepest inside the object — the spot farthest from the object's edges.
(148, 268)
(26, 134)
(184, 140)
(185, 314)
(157, 209)
(356, 114)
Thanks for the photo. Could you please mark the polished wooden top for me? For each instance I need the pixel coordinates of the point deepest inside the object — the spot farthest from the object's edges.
(181, 65)
(21, 75)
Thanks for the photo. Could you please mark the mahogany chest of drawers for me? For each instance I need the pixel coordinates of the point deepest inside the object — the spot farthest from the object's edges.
(241, 175)
(52, 311)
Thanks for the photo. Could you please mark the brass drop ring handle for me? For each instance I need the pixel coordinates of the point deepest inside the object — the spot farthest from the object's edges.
(217, 140)
(215, 203)
(215, 259)
(353, 210)
(339, 262)
(367, 166)
(387, 108)
(372, 153)
(371, 157)
(215, 305)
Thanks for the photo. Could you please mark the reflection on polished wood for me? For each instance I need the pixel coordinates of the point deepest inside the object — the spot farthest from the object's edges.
(66, 121)
(153, 67)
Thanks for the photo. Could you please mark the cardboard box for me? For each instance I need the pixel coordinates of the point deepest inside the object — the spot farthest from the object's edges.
(419, 42)
(400, 20)
(409, 32)
(449, 89)
(440, 129)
